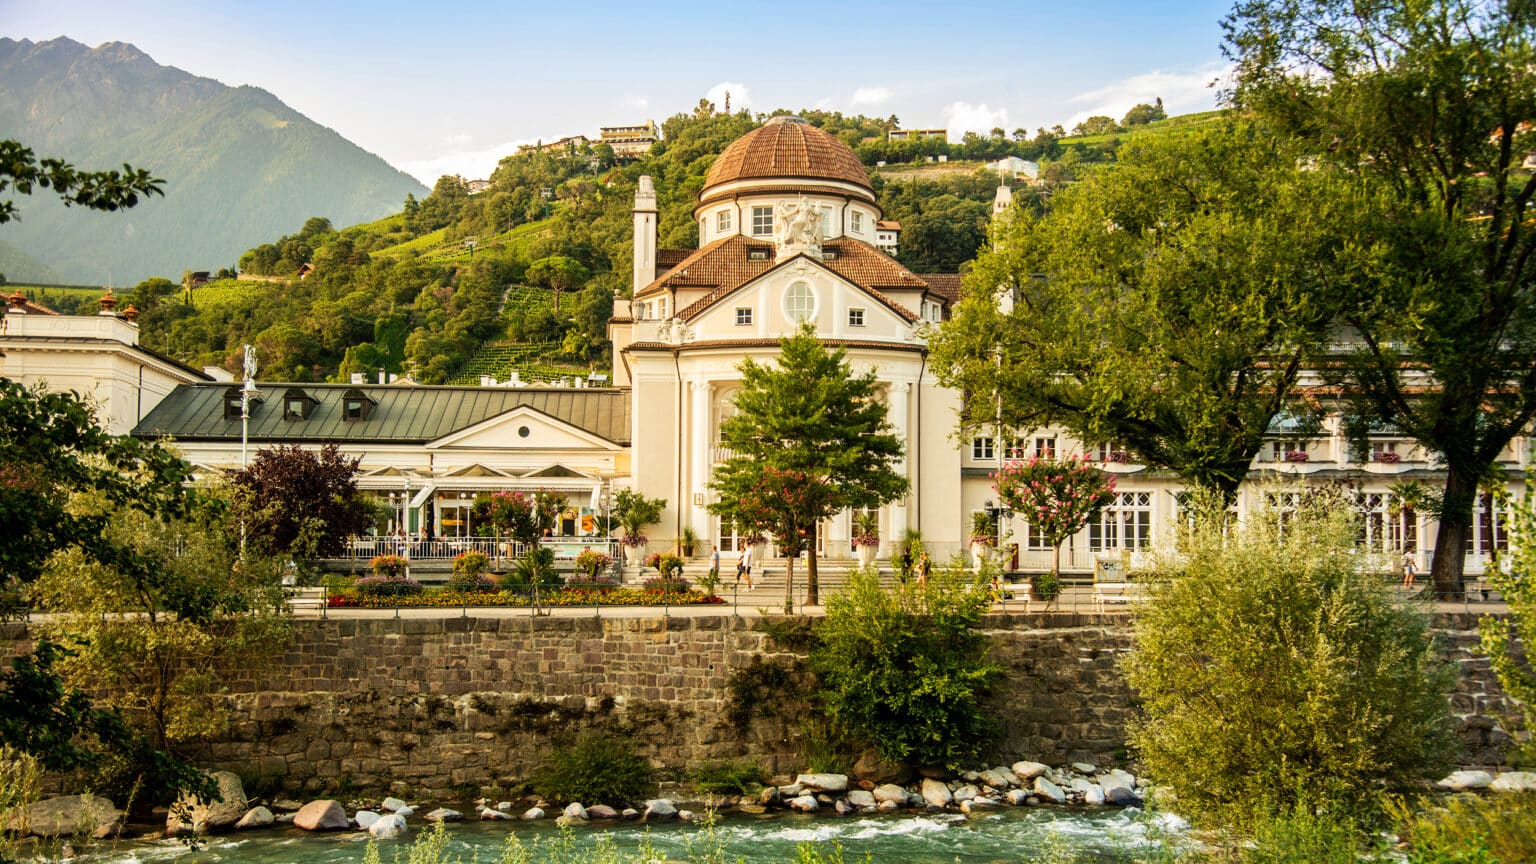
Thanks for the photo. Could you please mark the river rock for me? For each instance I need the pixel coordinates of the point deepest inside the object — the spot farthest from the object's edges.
(823, 782)
(325, 814)
(388, 827)
(965, 792)
(575, 811)
(999, 779)
(504, 806)
(405, 811)
(976, 804)
(444, 814)
(1466, 781)
(67, 816)
(1085, 768)
(804, 804)
(1049, 791)
(1514, 781)
(286, 805)
(769, 797)
(936, 793)
(843, 807)
(602, 811)
(256, 817)
(659, 810)
(887, 807)
(1017, 797)
(1027, 771)
(200, 817)
(878, 771)
(491, 814)
(862, 799)
(688, 816)
(392, 804)
(890, 792)
(533, 813)
(1119, 789)
(365, 818)
(1093, 796)
(629, 814)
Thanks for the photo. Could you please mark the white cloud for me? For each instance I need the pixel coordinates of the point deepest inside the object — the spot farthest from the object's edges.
(741, 95)
(871, 96)
(963, 117)
(1181, 93)
(472, 164)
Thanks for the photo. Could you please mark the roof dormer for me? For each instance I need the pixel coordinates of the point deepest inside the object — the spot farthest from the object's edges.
(298, 404)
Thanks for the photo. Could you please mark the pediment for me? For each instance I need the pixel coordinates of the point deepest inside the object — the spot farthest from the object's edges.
(522, 428)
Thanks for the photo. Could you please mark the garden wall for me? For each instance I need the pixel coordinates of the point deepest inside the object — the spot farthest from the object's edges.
(458, 703)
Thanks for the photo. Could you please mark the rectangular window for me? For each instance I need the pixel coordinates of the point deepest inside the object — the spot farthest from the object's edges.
(1045, 447)
(826, 222)
(1013, 448)
(743, 317)
(762, 221)
(1125, 524)
(1112, 452)
(855, 317)
(232, 408)
(353, 410)
(723, 221)
(981, 448)
(856, 222)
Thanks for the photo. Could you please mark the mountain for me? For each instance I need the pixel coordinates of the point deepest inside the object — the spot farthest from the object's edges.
(239, 166)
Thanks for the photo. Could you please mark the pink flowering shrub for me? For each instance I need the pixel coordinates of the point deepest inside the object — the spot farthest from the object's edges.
(1056, 497)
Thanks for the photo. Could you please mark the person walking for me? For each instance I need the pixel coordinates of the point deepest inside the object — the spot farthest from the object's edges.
(1410, 569)
(714, 563)
(744, 567)
(923, 564)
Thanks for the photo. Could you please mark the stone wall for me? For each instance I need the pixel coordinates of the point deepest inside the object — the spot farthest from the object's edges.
(459, 703)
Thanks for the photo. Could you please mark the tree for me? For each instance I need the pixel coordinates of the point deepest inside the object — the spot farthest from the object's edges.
(1165, 304)
(811, 416)
(1095, 125)
(557, 273)
(1278, 674)
(301, 503)
(1434, 101)
(23, 171)
(1141, 115)
(905, 670)
(634, 511)
(1516, 581)
(52, 451)
(1057, 498)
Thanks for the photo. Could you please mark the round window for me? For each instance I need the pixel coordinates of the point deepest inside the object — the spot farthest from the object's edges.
(800, 302)
(523, 431)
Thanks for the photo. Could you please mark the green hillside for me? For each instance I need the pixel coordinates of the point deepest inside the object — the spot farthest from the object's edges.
(239, 166)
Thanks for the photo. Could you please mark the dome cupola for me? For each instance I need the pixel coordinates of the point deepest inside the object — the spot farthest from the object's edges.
(790, 154)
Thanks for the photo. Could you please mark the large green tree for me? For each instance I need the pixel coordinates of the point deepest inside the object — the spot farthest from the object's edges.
(807, 414)
(1166, 304)
(1435, 101)
(301, 503)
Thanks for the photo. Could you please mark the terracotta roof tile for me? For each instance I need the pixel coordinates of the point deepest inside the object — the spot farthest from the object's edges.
(946, 285)
(710, 196)
(770, 343)
(888, 225)
(787, 147)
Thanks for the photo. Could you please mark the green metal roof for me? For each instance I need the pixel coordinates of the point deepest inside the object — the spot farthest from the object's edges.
(402, 414)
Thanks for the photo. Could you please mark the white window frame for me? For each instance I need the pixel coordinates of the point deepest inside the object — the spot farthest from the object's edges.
(743, 316)
(983, 448)
(1014, 448)
(1045, 447)
(795, 293)
(856, 317)
(723, 220)
(762, 221)
(826, 223)
(1125, 524)
(855, 222)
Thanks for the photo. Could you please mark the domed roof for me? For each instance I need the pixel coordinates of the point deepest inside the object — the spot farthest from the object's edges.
(784, 148)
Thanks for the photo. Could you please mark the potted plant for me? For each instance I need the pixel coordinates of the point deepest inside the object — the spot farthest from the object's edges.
(983, 536)
(866, 536)
(687, 542)
(590, 563)
(634, 512)
(1296, 456)
(388, 566)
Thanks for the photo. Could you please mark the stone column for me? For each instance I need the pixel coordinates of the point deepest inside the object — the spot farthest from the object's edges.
(701, 446)
(900, 418)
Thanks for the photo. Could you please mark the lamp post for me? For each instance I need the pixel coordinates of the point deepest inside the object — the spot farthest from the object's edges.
(248, 392)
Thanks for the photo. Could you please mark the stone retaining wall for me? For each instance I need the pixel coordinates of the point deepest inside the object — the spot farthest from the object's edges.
(466, 702)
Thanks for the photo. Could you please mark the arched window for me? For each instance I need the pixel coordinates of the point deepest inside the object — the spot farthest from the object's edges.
(800, 302)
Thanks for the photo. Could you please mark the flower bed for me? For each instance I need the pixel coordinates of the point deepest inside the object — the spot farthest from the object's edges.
(569, 596)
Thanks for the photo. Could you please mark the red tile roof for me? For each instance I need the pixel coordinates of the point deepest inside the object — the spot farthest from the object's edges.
(787, 147)
(946, 285)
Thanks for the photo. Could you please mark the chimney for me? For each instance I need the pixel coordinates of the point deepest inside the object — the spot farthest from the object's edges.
(645, 234)
(383, 376)
(108, 304)
(487, 380)
(359, 378)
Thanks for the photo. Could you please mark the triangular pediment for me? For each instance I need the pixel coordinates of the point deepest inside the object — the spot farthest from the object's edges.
(559, 471)
(522, 428)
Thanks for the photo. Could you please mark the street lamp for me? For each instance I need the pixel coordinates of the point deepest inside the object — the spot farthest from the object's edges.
(248, 392)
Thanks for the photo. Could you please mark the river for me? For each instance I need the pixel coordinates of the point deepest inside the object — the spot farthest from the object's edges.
(1012, 835)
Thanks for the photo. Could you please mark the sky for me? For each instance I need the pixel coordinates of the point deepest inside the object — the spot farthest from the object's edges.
(450, 88)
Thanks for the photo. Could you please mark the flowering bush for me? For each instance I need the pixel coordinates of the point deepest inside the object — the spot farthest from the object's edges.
(592, 562)
(470, 584)
(389, 566)
(387, 586)
(470, 564)
(591, 583)
(574, 595)
(866, 540)
(664, 585)
(1386, 457)
(1120, 456)
(756, 538)
(1057, 498)
(634, 540)
(1296, 456)
(667, 564)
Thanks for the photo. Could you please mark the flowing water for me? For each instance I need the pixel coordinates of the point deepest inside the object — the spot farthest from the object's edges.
(1013, 836)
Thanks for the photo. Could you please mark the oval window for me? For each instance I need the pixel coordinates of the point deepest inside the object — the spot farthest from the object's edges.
(522, 431)
(800, 302)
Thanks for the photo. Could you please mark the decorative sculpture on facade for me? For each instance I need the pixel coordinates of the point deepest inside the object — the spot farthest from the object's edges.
(798, 225)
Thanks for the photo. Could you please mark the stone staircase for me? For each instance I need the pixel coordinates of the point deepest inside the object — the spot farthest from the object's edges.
(768, 578)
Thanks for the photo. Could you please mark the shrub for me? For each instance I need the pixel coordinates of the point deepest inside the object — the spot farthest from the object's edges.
(470, 564)
(387, 586)
(592, 562)
(388, 565)
(1276, 676)
(1472, 830)
(536, 567)
(663, 585)
(1047, 586)
(905, 670)
(666, 564)
(723, 777)
(594, 768)
(592, 583)
(477, 584)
